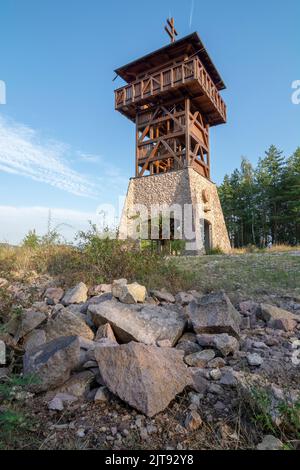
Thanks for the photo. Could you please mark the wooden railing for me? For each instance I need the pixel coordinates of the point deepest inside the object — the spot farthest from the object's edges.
(168, 78)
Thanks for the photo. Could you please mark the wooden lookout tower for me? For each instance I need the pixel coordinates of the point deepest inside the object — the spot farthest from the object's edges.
(173, 97)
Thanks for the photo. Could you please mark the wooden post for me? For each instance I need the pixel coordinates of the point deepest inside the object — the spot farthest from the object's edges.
(136, 145)
(187, 132)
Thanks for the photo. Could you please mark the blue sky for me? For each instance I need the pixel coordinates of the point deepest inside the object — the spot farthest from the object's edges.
(62, 145)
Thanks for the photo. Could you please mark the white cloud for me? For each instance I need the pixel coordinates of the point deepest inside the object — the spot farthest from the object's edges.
(24, 152)
(89, 157)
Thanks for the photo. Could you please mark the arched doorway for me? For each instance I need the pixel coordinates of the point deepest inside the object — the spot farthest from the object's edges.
(207, 236)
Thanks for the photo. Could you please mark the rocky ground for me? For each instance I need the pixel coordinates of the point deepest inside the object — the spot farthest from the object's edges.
(113, 366)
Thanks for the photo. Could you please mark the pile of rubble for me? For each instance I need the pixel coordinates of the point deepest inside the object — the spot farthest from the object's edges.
(147, 348)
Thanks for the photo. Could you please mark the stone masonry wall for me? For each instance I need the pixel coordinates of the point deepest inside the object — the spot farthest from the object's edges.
(179, 187)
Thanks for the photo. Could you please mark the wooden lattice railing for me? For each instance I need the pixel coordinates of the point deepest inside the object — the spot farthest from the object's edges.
(168, 78)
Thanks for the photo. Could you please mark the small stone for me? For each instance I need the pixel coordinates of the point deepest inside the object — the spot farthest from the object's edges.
(223, 342)
(228, 378)
(163, 296)
(2, 353)
(102, 395)
(188, 347)
(248, 307)
(217, 363)
(200, 359)
(215, 374)
(3, 282)
(53, 295)
(100, 289)
(245, 323)
(184, 298)
(105, 331)
(80, 433)
(56, 404)
(193, 421)
(270, 442)
(254, 359)
(129, 293)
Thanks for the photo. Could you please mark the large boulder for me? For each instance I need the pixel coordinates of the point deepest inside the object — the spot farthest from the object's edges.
(278, 317)
(147, 324)
(145, 377)
(76, 295)
(30, 319)
(50, 365)
(67, 323)
(214, 313)
(34, 339)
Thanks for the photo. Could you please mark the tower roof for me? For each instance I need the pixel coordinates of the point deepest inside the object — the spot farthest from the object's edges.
(191, 45)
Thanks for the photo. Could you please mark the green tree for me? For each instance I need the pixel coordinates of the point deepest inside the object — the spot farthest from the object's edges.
(31, 240)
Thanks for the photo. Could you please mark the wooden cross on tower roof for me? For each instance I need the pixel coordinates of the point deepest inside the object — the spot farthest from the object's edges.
(170, 29)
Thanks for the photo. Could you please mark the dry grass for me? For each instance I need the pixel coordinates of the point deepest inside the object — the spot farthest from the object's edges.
(279, 248)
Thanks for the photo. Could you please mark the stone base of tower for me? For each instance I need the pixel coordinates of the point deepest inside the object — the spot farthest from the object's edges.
(185, 189)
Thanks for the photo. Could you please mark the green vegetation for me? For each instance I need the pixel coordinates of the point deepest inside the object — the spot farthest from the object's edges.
(262, 205)
(281, 418)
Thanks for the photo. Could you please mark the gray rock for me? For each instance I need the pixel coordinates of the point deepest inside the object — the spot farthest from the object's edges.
(129, 293)
(184, 298)
(254, 359)
(102, 395)
(214, 313)
(59, 400)
(279, 318)
(145, 377)
(223, 342)
(217, 362)
(228, 378)
(100, 289)
(34, 339)
(53, 295)
(105, 331)
(270, 442)
(30, 319)
(215, 374)
(200, 359)
(249, 307)
(67, 323)
(147, 324)
(163, 296)
(188, 347)
(245, 323)
(2, 353)
(78, 385)
(51, 364)
(199, 383)
(76, 295)
(188, 337)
